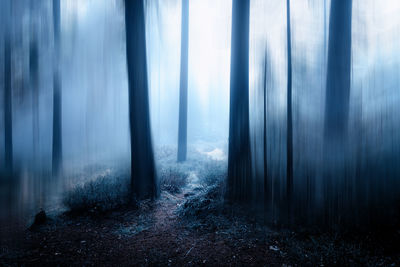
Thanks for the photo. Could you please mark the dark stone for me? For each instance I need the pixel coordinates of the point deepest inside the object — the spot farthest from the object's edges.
(40, 218)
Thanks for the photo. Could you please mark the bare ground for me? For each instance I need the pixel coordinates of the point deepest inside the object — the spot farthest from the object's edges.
(152, 235)
(157, 234)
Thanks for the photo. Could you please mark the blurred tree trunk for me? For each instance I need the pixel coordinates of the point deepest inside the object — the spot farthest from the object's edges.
(338, 82)
(239, 158)
(325, 29)
(143, 176)
(8, 141)
(183, 93)
(338, 75)
(34, 77)
(289, 136)
(57, 102)
(267, 188)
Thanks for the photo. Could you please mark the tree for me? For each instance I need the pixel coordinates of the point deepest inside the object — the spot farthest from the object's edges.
(325, 30)
(183, 92)
(338, 81)
(57, 103)
(267, 186)
(338, 74)
(143, 175)
(239, 157)
(289, 135)
(8, 140)
(34, 76)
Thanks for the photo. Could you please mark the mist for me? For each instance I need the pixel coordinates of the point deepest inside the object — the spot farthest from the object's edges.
(287, 110)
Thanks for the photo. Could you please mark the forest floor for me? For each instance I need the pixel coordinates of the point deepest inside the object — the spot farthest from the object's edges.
(160, 233)
(188, 225)
(154, 234)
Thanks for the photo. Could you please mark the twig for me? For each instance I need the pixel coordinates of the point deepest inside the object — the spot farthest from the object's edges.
(187, 253)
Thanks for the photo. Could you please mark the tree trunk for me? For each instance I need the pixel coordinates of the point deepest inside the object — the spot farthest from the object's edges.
(143, 176)
(34, 79)
(337, 100)
(267, 188)
(339, 72)
(183, 93)
(239, 158)
(289, 136)
(8, 141)
(57, 103)
(325, 29)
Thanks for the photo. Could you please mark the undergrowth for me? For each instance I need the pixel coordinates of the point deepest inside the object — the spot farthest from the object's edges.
(105, 193)
(173, 180)
(110, 190)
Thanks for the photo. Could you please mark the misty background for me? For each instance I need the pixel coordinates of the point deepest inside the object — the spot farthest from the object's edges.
(95, 117)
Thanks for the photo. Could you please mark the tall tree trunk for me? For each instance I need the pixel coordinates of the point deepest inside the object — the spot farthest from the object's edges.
(143, 175)
(57, 103)
(289, 136)
(34, 79)
(338, 82)
(339, 72)
(239, 158)
(265, 156)
(8, 142)
(325, 29)
(183, 93)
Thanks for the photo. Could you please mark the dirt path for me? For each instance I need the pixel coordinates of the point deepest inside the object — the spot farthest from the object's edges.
(152, 235)
(157, 235)
(169, 241)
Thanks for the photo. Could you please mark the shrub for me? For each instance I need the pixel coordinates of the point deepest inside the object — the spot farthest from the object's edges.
(172, 180)
(209, 200)
(102, 194)
(214, 172)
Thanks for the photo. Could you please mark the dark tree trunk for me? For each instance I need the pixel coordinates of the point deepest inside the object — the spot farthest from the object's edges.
(339, 72)
(8, 141)
(34, 81)
(325, 30)
(239, 158)
(265, 156)
(57, 103)
(289, 136)
(143, 176)
(183, 93)
(338, 82)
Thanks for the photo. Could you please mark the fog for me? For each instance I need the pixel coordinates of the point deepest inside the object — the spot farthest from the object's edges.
(95, 95)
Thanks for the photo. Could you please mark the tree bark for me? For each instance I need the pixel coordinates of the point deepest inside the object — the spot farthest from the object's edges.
(183, 93)
(143, 175)
(339, 72)
(34, 78)
(8, 141)
(289, 136)
(338, 82)
(267, 188)
(57, 102)
(239, 158)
